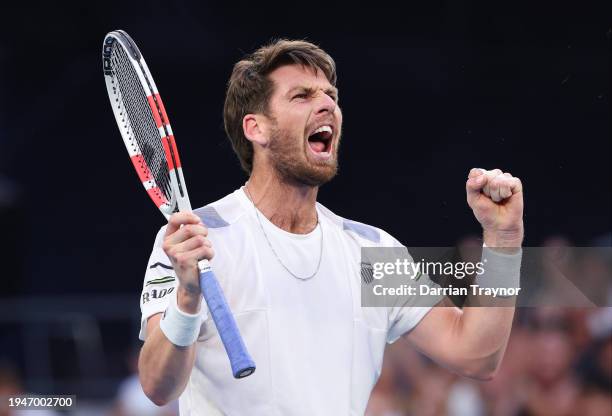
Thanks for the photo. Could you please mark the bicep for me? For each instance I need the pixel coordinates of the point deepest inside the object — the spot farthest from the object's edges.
(436, 333)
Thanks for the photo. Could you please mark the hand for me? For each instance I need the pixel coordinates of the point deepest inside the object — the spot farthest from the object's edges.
(496, 198)
(185, 244)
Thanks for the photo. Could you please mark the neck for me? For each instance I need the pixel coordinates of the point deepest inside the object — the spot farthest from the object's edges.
(289, 206)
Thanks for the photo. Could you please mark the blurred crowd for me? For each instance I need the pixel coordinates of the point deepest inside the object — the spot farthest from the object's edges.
(558, 363)
(129, 399)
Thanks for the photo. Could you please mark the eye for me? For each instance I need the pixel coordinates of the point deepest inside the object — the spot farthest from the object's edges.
(332, 94)
(300, 95)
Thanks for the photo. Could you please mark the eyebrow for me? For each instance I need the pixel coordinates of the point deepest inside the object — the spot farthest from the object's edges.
(331, 90)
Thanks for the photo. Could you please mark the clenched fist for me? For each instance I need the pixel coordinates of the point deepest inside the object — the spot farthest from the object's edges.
(496, 198)
(185, 244)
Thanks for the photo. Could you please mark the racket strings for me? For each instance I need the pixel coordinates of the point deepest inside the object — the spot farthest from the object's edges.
(138, 114)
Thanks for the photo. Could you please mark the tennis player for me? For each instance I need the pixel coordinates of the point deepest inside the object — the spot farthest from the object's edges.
(290, 267)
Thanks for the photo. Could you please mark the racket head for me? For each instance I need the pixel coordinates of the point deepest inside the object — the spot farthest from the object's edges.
(143, 122)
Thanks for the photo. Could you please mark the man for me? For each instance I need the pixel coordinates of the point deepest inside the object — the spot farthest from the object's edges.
(289, 267)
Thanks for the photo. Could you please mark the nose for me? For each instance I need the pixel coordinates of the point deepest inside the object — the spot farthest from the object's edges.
(325, 103)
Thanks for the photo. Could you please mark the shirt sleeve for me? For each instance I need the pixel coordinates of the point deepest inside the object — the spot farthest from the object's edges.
(405, 312)
(159, 282)
(409, 311)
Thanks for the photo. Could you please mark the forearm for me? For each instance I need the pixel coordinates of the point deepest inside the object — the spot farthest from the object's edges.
(481, 339)
(486, 321)
(471, 341)
(164, 367)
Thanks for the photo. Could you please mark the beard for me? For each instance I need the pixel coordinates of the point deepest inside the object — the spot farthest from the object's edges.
(289, 159)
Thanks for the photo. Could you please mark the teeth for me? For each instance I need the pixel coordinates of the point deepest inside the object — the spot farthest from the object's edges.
(322, 129)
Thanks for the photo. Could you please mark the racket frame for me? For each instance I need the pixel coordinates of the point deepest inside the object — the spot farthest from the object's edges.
(180, 198)
(242, 363)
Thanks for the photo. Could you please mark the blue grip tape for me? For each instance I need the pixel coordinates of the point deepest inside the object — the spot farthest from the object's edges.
(240, 360)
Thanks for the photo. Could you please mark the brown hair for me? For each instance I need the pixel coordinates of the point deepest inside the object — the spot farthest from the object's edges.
(249, 88)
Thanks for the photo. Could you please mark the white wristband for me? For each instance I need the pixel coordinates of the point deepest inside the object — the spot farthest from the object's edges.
(181, 329)
(500, 270)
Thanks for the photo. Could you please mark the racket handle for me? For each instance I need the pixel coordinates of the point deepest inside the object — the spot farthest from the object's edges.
(240, 360)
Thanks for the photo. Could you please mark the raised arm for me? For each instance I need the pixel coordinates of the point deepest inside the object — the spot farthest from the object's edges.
(168, 354)
(471, 341)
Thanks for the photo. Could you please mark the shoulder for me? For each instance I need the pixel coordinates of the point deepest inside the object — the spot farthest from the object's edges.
(363, 234)
(222, 213)
(217, 215)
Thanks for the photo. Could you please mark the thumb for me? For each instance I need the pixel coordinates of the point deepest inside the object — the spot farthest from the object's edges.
(476, 182)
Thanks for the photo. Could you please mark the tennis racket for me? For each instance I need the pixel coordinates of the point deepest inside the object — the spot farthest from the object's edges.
(144, 126)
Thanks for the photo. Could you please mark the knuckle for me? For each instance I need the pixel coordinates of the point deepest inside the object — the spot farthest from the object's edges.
(207, 253)
(181, 259)
(171, 252)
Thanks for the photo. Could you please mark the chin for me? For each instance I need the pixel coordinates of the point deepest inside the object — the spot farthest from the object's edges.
(304, 165)
(308, 173)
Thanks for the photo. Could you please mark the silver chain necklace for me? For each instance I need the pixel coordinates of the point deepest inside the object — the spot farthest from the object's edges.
(274, 251)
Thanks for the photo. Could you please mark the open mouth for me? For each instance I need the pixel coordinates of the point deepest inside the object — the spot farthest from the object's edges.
(320, 140)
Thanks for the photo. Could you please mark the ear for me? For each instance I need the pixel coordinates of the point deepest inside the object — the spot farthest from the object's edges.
(255, 129)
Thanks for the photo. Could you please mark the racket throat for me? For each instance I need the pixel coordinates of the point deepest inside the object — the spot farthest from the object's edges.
(178, 183)
(179, 177)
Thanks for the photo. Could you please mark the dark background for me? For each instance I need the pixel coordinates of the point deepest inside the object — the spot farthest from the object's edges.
(427, 90)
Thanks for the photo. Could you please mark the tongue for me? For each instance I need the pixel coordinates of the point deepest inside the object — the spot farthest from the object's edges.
(317, 147)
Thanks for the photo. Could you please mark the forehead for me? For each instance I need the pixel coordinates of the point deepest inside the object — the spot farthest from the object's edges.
(287, 77)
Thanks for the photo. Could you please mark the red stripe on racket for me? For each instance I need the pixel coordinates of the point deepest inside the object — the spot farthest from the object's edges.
(177, 159)
(154, 110)
(141, 168)
(166, 147)
(162, 109)
(156, 196)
